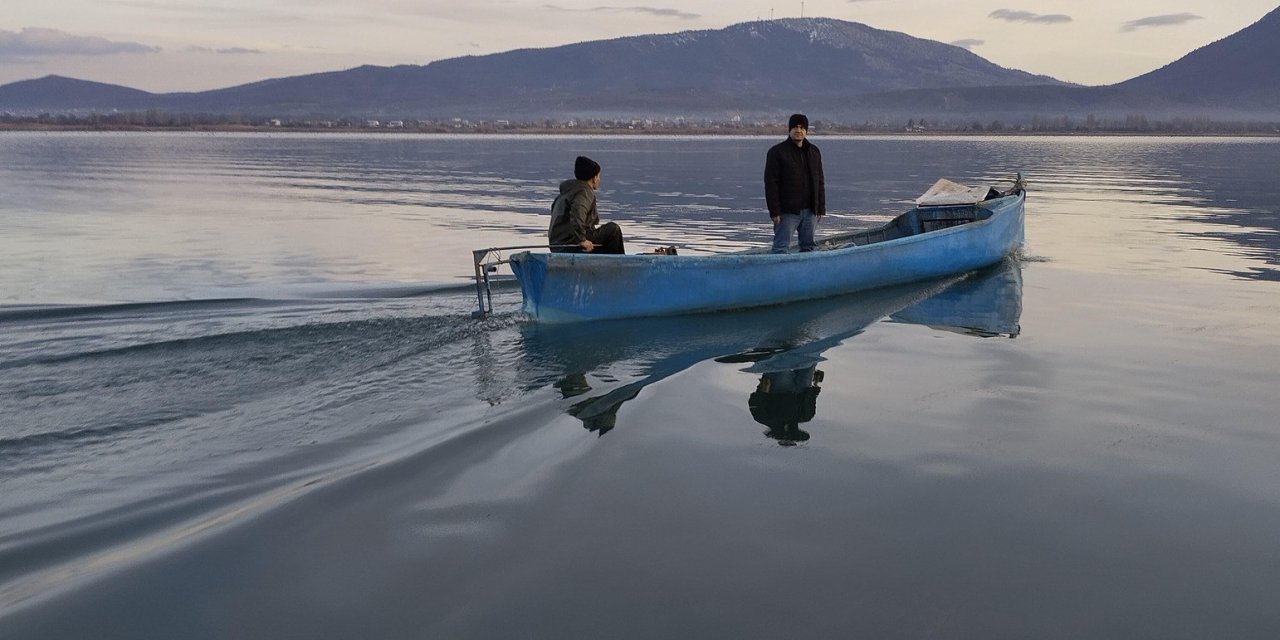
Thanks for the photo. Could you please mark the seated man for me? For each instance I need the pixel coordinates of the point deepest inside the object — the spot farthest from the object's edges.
(574, 216)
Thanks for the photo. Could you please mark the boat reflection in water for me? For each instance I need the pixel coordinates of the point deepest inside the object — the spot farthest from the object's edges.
(601, 365)
(987, 304)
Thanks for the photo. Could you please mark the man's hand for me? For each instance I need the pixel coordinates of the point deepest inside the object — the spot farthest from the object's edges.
(587, 245)
(775, 219)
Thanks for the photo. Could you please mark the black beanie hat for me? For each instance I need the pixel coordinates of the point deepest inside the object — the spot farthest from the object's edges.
(798, 119)
(585, 168)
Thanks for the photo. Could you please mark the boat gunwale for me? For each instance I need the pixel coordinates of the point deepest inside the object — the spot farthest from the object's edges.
(643, 259)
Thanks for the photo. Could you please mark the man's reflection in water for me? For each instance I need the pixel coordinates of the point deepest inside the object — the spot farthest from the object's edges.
(574, 384)
(785, 399)
(599, 414)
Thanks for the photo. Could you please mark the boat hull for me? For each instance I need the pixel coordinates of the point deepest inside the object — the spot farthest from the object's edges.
(571, 287)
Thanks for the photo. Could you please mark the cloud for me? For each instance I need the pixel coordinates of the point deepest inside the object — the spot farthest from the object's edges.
(1014, 15)
(666, 13)
(653, 11)
(35, 42)
(968, 43)
(1169, 20)
(228, 50)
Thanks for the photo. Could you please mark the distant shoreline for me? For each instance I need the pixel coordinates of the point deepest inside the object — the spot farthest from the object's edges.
(598, 131)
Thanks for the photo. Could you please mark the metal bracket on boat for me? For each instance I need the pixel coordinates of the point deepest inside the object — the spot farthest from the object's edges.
(485, 266)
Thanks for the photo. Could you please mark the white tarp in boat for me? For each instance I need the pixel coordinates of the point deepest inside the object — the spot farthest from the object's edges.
(945, 192)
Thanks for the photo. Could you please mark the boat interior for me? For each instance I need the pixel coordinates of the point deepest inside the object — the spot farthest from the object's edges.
(914, 222)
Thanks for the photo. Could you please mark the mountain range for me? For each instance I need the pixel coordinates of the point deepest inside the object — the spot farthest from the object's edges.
(844, 70)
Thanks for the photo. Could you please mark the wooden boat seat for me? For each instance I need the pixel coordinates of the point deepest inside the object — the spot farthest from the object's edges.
(935, 218)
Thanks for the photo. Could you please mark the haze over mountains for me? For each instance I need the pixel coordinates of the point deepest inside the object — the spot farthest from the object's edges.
(846, 71)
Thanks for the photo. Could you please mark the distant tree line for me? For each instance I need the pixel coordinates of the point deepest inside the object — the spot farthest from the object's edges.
(1036, 124)
(128, 119)
(1131, 123)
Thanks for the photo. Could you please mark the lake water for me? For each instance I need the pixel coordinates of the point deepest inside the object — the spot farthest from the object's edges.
(242, 396)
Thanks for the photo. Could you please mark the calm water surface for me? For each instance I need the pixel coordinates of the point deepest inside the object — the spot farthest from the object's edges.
(241, 396)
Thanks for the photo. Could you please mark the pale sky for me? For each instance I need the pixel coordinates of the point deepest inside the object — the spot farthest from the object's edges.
(193, 45)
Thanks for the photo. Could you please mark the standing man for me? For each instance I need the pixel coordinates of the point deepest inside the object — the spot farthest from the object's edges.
(794, 187)
(574, 216)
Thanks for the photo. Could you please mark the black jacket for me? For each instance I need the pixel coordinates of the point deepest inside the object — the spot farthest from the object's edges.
(793, 179)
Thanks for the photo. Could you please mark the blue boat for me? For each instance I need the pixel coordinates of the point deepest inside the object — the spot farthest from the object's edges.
(950, 231)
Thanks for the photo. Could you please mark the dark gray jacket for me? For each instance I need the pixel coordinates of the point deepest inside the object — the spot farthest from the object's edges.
(793, 178)
(573, 213)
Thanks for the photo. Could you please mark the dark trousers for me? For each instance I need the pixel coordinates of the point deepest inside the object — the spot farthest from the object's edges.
(607, 238)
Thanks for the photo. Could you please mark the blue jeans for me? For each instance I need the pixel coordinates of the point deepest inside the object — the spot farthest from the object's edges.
(805, 222)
